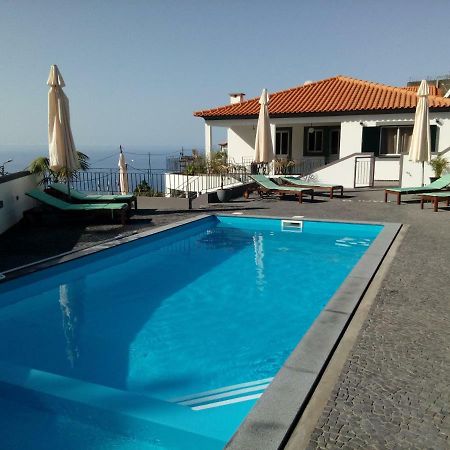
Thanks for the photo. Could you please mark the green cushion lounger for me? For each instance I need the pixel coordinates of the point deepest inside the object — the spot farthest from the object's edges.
(80, 197)
(316, 186)
(435, 198)
(438, 185)
(56, 203)
(265, 185)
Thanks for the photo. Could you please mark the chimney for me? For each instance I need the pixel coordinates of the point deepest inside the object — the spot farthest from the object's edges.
(236, 97)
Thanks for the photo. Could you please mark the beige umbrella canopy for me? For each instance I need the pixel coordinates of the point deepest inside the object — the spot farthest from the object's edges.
(420, 150)
(123, 176)
(263, 141)
(62, 150)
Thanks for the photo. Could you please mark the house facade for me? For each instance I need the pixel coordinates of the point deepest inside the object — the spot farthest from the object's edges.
(322, 125)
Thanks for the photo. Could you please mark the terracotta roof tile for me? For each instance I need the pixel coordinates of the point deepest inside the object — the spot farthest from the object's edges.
(333, 95)
(433, 90)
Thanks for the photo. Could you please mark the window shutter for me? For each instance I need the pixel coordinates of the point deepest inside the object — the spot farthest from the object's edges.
(371, 140)
(433, 136)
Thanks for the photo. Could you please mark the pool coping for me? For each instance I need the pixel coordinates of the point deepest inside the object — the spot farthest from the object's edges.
(273, 418)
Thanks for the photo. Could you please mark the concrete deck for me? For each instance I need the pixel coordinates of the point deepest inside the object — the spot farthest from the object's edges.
(394, 388)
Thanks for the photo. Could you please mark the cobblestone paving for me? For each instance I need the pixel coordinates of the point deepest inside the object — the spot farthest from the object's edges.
(394, 390)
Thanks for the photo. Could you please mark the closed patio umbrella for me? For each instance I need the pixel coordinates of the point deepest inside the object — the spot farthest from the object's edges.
(263, 141)
(62, 150)
(420, 150)
(123, 176)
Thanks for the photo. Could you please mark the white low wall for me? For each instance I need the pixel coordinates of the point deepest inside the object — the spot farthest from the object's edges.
(200, 184)
(412, 173)
(387, 170)
(342, 172)
(15, 202)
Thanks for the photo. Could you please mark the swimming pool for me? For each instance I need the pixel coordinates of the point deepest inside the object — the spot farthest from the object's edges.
(172, 338)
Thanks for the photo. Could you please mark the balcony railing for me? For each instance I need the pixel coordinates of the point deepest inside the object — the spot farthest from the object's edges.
(303, 167)
(156, 184)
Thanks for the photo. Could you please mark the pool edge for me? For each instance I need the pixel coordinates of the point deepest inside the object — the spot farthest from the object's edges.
(60, 258)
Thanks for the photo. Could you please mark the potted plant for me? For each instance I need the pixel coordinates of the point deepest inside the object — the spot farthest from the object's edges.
(438, 164)
(223, 194)
(218, 164)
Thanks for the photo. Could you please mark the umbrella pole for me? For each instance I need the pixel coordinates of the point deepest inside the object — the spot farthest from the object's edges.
(423, 173)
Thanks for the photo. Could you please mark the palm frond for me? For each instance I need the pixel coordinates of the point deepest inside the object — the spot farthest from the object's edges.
(83, 160)
(40, 165)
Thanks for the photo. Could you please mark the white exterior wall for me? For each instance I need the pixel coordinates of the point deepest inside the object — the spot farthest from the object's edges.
(297, 142)
(443, 136)
(351, 138)
(387, 169)
(15, 202)
(412, 173)
(241, 143)
(208, 140)
(241, 135)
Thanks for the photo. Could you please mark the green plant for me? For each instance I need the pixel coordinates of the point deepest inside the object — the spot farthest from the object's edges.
(218, 163)
(196, 166)
(282, 166)
(41, 166)
(439, 164)
(145, 190)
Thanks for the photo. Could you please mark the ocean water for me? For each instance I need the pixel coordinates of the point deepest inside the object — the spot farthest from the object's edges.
(101, 156)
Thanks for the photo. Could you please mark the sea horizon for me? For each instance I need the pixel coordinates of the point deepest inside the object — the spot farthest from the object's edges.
(103, 156)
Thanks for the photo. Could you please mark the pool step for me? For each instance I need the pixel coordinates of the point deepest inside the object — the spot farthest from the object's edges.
(223, 396)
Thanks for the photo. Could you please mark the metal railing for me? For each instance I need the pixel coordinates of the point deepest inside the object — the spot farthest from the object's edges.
(106, 181)
(155, 184)
(178, 164)
(303, 167)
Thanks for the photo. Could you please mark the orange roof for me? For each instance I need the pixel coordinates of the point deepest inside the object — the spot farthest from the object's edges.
(433, 90)
(333, 95)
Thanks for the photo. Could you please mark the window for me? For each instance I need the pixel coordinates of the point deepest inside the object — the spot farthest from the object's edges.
(334, 141)
(395, 140)
(283, 142)
(315, 140)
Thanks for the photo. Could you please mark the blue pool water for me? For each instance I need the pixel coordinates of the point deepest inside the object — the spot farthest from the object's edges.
(198, 318)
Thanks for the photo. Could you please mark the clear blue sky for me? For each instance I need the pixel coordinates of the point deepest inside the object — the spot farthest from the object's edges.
(136, 70)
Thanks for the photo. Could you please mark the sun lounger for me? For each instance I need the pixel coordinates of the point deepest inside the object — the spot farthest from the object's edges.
(316, 186)
(435, 198)
(56, 203)
(80, 197)
(438, 185)
(265, 185)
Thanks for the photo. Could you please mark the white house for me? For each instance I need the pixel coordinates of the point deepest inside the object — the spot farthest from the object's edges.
(339, 129)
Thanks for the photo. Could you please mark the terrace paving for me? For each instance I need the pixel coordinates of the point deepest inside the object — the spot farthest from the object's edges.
(394, 389)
